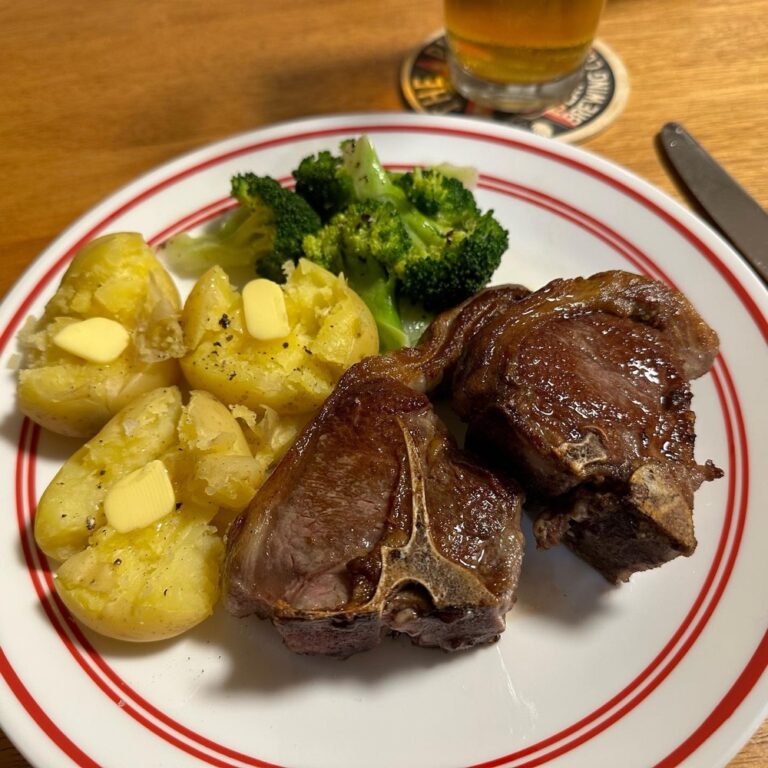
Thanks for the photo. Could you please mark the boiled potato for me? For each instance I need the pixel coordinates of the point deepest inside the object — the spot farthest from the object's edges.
(210, 462)
(71, 507)
(330, 329)
(219, 467)
(149, 584)
(269, 434)
(119, 278)
(161, 577)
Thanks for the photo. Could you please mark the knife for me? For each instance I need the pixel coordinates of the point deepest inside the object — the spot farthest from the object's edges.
(734, 212)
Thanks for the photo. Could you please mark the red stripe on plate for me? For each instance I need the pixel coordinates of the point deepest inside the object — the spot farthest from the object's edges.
(45, 596)
(727, 706)
(713, 258)
(642, 262)
(69, 748)
(570, 214)
(661, 657)
(13, 681)
(205, 213)
(746, 680)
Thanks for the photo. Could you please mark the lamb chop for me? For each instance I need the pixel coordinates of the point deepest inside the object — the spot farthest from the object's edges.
(373, 521)
(431, 363)
(583, 388)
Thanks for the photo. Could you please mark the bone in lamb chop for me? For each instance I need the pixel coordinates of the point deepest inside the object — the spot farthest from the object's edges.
(373, 521)
(583, 388)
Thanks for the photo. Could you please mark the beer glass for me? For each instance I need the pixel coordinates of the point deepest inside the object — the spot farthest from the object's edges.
(519, 55)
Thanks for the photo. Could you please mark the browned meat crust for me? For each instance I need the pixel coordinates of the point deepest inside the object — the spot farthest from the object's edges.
(583, 388)
(376, 521)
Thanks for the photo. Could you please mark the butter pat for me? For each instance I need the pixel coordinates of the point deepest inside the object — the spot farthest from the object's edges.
(97, 339)
(264, 308)
(140, 499)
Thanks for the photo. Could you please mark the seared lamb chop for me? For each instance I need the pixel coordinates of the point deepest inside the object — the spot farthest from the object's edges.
(583, 387)
(426, 366)
(375, 520)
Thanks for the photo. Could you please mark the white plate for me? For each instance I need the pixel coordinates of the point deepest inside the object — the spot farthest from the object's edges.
(664, 671)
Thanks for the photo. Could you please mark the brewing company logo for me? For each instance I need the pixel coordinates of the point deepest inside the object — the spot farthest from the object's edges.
(595, 102)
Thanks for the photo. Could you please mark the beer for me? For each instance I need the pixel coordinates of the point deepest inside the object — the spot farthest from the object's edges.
(522, 42)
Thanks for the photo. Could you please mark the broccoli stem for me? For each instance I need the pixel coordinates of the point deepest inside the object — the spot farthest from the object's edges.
(371, 283)
(380, 299)
(423, 232)
(232, 244)
(415, 320)
(370, 181)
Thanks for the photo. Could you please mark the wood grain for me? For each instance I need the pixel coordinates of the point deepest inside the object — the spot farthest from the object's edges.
(94, 94)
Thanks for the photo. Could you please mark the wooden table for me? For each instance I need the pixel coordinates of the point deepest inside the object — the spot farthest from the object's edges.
(95, 93)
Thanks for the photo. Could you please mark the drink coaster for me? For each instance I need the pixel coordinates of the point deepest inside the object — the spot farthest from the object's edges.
(594, 104)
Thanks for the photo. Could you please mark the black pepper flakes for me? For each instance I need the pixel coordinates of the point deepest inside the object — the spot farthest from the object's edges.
(216, 343)
(224, 320)
(90, 522)
(285, 345)
(232, 375)
(118, 561)
(178, 505)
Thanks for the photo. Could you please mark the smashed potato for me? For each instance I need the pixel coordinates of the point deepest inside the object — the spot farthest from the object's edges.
(160, 575)
(215, 464)
(150, 584)
(72, 506)
(330, 330)
(158, 579)
(117, 277)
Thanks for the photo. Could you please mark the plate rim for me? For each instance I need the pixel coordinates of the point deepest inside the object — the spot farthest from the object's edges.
(483, 129)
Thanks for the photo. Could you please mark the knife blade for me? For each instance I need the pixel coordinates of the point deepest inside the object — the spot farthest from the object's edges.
(733, 211)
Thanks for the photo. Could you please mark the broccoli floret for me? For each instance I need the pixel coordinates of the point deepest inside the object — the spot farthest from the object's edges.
(280, 217)
(323, 181)
(324, 248)
(227, 242)
(438, 196)
(439, 247)
(266, 230)
(329, 183)
(357, 242)
(454, 248)
(463, 267)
